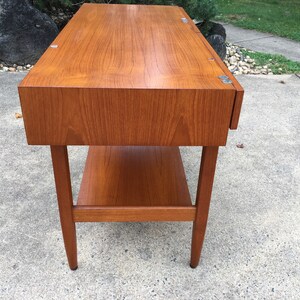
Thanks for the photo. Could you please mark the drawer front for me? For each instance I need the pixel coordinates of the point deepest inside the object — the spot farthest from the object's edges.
(73, 116)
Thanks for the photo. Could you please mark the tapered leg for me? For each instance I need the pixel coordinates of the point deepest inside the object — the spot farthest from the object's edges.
(65, 202)
(205, 184)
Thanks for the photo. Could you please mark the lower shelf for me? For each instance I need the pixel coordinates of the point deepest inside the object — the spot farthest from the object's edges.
(133, 184)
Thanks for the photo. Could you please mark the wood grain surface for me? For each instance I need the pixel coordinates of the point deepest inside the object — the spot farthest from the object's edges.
(128, 75)
(127, 117)
(127, 46)
(62, 178)
(238, 101)
(204, 191)
(133, 213)
(134, 176)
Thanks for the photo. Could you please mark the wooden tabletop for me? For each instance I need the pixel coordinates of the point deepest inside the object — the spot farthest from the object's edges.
(128, 46)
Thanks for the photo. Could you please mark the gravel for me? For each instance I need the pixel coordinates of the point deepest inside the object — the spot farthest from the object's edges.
(14, 68)
(239, 64)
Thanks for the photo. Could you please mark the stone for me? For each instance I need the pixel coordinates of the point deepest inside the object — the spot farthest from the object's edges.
(232, 68)
(215, 34)
(25, 32)
(218, 43)
(211, 28)
(232, 60)
(219, 29)
(11, 69)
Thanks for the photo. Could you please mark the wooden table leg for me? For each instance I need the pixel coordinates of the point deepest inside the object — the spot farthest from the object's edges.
(65, 202)
(205, 184)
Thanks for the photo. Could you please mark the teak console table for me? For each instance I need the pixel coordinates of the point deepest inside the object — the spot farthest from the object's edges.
(133, 82)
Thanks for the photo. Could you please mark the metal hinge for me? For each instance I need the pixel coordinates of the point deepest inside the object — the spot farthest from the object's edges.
(184, 20)
(225, 79)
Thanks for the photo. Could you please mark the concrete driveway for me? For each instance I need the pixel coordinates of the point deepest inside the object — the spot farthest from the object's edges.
(252, 246)
(263, 42)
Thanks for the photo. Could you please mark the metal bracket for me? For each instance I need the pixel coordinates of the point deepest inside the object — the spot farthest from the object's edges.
(184, 20)
(225, 79)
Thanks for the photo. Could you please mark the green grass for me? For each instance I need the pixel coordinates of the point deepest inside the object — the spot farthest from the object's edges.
(279, 17)
(277, 63)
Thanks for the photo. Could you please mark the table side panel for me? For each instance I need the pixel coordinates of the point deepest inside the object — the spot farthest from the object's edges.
(71, 116)
(239, 89)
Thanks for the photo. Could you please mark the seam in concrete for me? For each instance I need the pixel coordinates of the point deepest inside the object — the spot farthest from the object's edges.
(249, 40)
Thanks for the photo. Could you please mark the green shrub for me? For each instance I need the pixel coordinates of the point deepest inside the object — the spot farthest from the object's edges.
(203, 10)
(48, 4)
(199, 9)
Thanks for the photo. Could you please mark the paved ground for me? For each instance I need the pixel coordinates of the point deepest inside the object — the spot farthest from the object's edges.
(252, 247)
(264, 42)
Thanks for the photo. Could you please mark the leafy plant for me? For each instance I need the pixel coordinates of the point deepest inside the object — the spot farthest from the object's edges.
(201, 9)
(49, 4)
